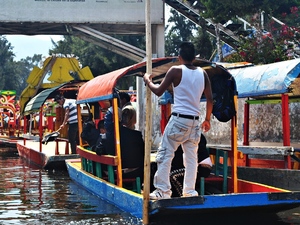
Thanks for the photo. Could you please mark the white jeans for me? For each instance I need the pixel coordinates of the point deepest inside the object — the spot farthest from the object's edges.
(178, 131)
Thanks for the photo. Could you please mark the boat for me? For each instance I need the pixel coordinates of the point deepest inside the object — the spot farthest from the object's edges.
(10, 142)
(9, 108)
(229, 195)
(48, 154)
(64, 77)
(269, 148)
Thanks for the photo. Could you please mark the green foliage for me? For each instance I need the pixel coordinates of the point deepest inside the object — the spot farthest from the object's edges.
(222, 11)
(13, 75)
(6, 65)
(179, 29)
(277, 45)
(203, 44)
(98, 59)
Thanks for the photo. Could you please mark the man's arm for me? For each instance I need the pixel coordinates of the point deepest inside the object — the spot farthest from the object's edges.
(209, 103)
(65, 118)
(171, 75)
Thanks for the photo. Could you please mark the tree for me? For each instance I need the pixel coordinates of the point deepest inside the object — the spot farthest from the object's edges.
(7, 72)
(99, 60)
(203, 44)
(222, 11)
(179, 29)
(22, 70)
(279, 44)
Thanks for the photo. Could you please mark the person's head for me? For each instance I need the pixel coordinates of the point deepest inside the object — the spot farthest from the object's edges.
(124, 98)
(101, 127)
(187, 51)
(59, 99)
(129, 117)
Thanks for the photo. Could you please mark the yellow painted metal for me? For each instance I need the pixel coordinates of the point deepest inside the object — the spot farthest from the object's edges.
(60, 70)
(79, 124)
(34, 76)
(117, 141)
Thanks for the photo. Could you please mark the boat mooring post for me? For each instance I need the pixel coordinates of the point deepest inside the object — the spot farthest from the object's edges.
(148, 118)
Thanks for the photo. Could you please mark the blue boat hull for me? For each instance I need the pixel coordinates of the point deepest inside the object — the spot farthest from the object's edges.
(126, 200)
(133, 203)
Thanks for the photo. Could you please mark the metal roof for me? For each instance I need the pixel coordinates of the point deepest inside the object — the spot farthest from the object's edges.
(68, 90)
(269, 80)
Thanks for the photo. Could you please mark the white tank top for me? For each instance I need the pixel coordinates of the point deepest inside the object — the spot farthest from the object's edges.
(188, 92)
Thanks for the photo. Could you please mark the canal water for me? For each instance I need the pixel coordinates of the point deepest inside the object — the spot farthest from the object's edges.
(33, 196)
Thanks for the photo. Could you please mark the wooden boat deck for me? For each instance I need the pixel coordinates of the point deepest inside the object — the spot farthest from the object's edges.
(51, 155)
(47, 149)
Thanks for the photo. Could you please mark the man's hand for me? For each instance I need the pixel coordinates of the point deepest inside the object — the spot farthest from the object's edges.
(205, 126)
(147, 78)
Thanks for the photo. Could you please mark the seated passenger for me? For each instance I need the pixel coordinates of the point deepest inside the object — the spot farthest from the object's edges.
(129, 117)
(99, 147)
(89, 132)
(132, 147)
(101, 128)
(124, 99)
(178, 170)
(109, 120)
(132, 153)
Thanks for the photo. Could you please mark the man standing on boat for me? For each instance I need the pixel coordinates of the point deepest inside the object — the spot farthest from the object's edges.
(183, 128)
(70, 118)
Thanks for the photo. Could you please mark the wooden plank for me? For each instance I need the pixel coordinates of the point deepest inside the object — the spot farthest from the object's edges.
(104, 159)
(258, 150)
(264, 150)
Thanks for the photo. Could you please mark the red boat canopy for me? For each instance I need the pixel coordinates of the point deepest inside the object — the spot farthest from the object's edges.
(102, 87)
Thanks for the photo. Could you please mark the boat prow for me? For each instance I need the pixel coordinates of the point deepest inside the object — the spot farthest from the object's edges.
(47, 158)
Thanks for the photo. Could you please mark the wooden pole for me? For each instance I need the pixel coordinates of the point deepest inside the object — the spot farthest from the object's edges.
(148, 128)
(41, 127)
(234, 133)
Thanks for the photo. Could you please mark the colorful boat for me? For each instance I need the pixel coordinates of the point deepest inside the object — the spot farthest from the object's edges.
(53, 153)
(269, 95)
(232, 195)
(59, 75)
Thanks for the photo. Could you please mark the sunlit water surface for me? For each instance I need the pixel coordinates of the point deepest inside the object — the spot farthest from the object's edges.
(33, 196)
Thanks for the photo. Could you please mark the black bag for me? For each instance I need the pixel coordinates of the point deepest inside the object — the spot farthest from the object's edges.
(223, 90)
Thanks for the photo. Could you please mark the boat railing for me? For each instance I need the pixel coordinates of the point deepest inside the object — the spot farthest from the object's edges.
(103, 166)
(247, 153)
(219, 174)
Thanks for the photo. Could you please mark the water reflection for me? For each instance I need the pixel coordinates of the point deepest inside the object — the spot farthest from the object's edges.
(32, 196)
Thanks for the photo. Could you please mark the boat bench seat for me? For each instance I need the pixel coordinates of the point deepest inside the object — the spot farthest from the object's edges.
(219, 172)
(103, 166)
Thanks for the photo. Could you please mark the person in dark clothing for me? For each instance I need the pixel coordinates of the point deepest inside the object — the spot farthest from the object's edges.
(70, 119)
(90, 133)
(132, 153)
(124, 99)
(132, 149)
(177, 167)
